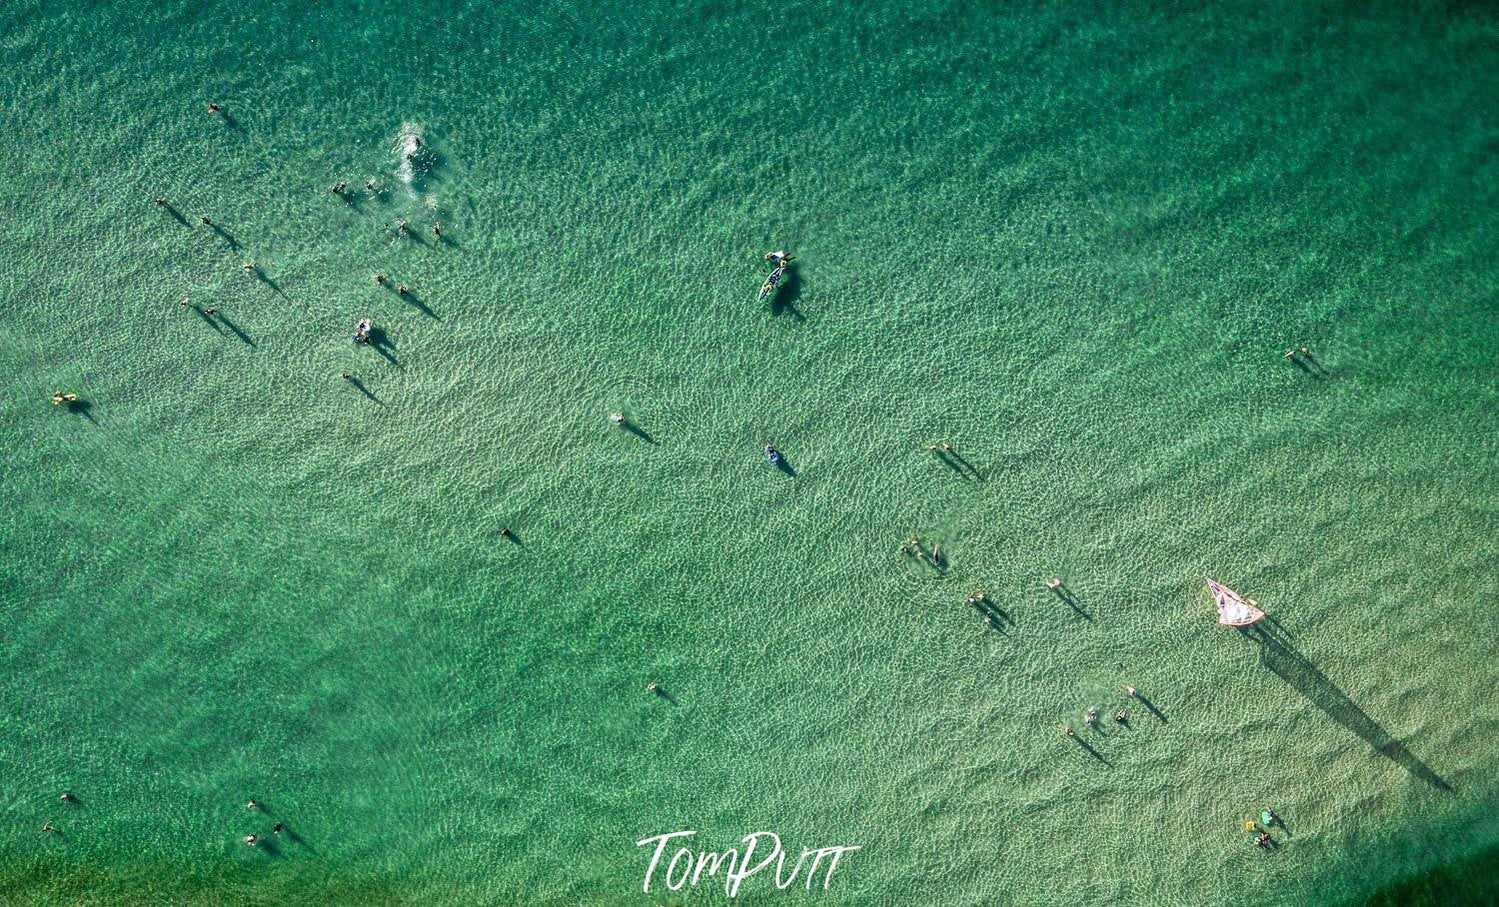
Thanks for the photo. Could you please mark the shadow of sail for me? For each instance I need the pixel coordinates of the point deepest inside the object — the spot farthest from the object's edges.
(1277, 654)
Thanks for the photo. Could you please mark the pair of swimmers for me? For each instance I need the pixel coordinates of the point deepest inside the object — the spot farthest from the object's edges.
(382, 280)
(914, 547)
(276, 830)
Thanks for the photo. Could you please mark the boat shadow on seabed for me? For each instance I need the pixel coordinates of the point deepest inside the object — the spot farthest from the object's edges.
(790, 290)
(1283, 660)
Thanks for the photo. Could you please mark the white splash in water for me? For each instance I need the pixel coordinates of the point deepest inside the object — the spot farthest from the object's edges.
(409, 152)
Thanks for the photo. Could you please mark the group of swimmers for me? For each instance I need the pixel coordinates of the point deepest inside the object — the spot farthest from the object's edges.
(1090, 717)
(402, 228)
(276, 829)
(1261, 830)
(49, 829)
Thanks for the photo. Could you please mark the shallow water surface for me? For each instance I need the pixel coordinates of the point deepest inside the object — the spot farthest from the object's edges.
(1072, 241)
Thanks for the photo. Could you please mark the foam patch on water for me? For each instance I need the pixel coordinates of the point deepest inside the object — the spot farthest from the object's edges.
(414, 157)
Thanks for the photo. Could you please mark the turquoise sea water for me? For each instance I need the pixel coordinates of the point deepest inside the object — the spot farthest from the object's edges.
(1074, 240)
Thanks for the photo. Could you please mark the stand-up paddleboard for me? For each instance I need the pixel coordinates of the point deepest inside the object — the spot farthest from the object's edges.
(771, 282)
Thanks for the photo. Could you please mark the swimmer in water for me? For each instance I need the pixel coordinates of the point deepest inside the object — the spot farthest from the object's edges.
(161, 202)
(506, 533)
(437, 230)
(214, 108)
(206, 222)
(1069, 731)
(250, 840)
(210, 311)
(47, 828)
(251, 805)
(1053, 584)
(401, 290)
(346, 376)
(380, 279)
(653, 687)
(401, 228)
(1120, 716)
(617, 418)
(276, 829)
(249, 267)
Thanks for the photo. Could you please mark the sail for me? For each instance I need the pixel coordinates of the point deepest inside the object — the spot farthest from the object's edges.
(1233, 611)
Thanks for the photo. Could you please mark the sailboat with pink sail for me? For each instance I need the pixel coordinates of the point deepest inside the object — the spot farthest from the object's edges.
(1234, 610)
